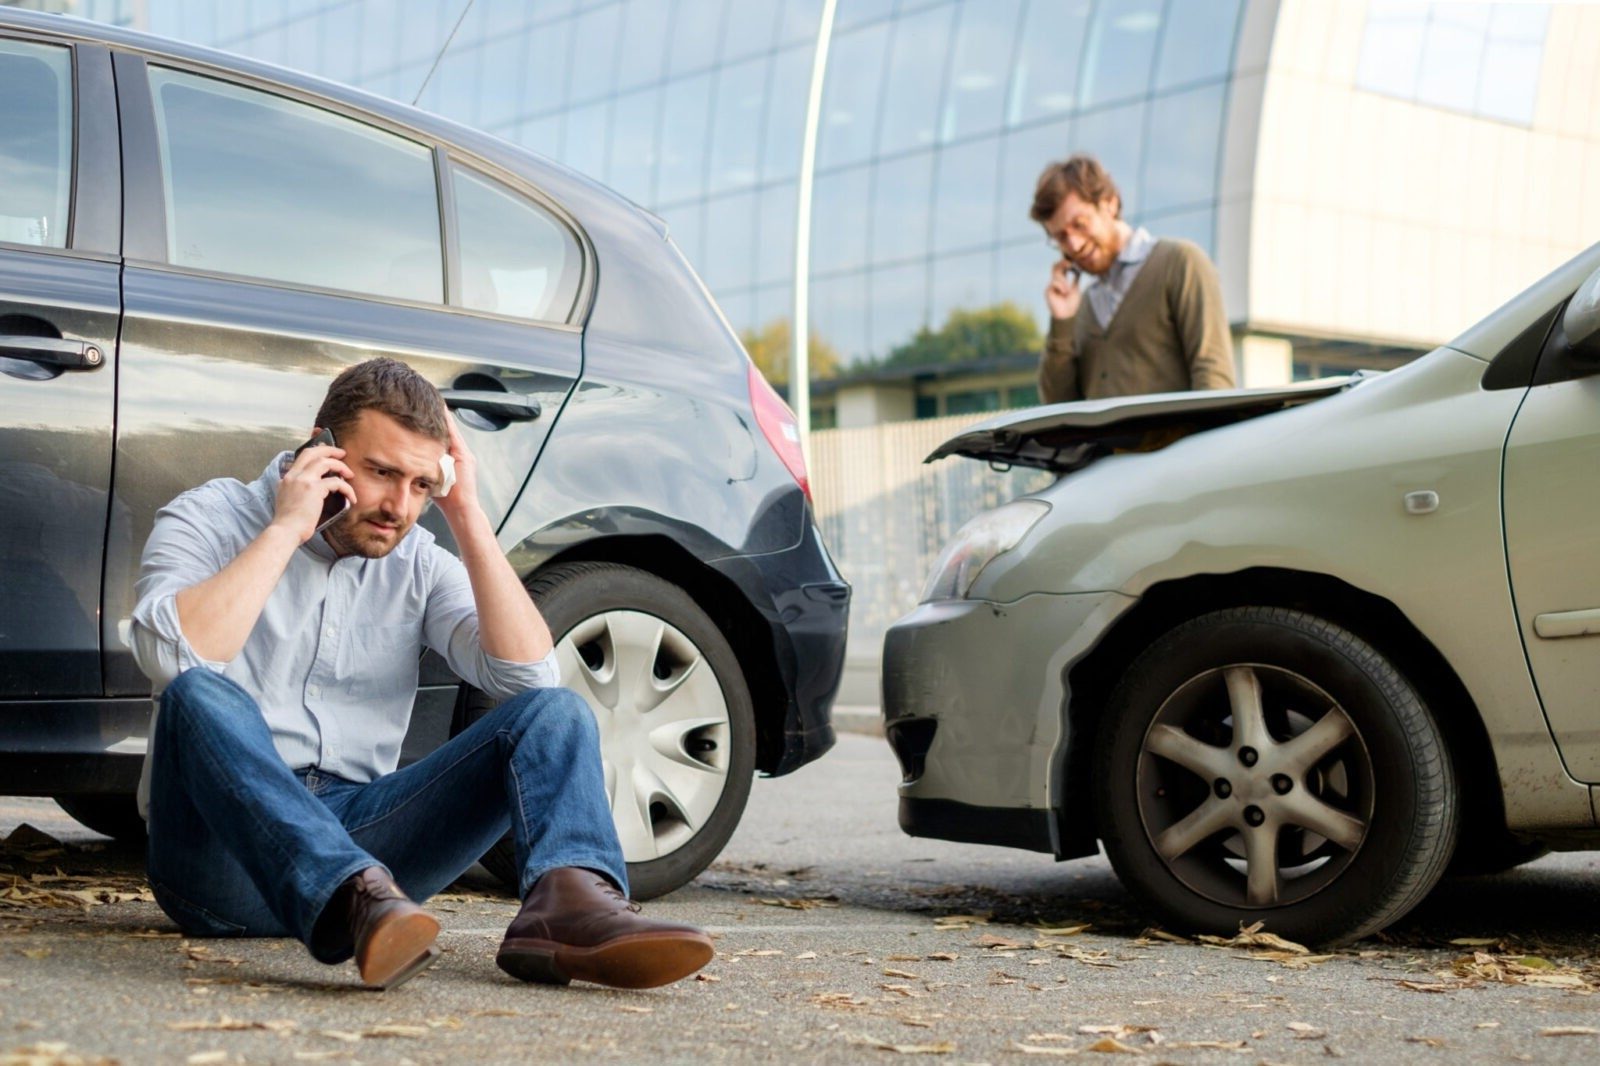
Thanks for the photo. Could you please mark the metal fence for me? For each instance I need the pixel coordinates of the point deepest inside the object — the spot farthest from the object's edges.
(886, 515)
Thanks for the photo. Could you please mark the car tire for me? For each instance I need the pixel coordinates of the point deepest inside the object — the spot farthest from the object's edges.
(1326, 814)
(114, 815)
(598, 613)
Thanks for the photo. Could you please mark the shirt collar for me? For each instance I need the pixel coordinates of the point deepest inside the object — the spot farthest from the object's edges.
(1138, 247)
(269, 482)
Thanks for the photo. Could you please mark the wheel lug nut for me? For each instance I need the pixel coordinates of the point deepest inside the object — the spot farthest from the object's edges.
(1248, 756)
(1223, 788)
(1253, 815)
(1282, 783)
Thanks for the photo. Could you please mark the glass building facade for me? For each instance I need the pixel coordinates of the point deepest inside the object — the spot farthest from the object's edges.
(935, 120)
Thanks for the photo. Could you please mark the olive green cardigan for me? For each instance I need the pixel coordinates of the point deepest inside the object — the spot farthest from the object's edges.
(1170, 334)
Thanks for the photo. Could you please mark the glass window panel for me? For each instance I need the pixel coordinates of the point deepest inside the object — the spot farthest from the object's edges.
(308, 197)
(1021, 271)
(839, 221)
(902, 193)
(916, 77)
(850, 96)
(35, 143)
(515, 258)
(972, 402)
(1509, 86)
(1198, 226)
(786, 113)
(839, 315)
(963, 215)
(412, 39)
(684, 116)
(1022, 396)
(1120, 48)
(1451, 54)
(502, 101)
(1023, 158)
(1519, 22)
(545, 88)
(962, 283)
(730, 241)
(855, 12)
(741, 96)
(739, 308)
(545, 9)
(594, 42)
(986, 38)
(1045, 81)
(1391, 48)
(1181, 152)
(775, 247)
(800, 21)
(641, 56)
(588, 130)
(749, 28)
(686, 227)
(543, 135)
(337, 59)
(899, 306)
(632, 168)
(1197, 42)
(1115, 137)
(696, 31)
(301, 49)
(773, 303)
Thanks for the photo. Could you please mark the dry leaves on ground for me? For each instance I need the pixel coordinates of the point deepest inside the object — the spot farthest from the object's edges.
(962, 921)
(1522, 970)
(227, 1024)
(1570, 1030)
(804, 904)
(1266, 947)
(942, 1048)
(50, 1053)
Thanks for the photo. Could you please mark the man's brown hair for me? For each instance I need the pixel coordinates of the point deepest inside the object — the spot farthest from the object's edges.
(1082, 174)
(389, 387)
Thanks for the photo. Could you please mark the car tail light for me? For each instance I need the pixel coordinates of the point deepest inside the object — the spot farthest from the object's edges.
(778, 425)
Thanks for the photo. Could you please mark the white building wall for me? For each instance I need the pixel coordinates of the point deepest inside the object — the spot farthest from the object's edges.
(1371, 217)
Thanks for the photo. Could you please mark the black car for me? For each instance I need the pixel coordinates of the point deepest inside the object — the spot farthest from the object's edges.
(192, 245)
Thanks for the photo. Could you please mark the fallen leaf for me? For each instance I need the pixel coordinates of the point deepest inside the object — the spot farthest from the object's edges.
(1064, 929)
(631, 1009)
(1570, 1030)
(902, 1049)
(1161, 934)
(1251, 936)
(1110, 1045)
(201, 1057)
(943, 956)
(35, 953)
(1034, 1049)
(1427, 1041)
(706, 977)
(806, 955)
(1208, 1045)
(799, 904)
(227, 1024)
(1115, 1030)
(891, 972)
(961, 921)
(756, 953)
(1306, 1031)
(989, 940)
(1475, 941)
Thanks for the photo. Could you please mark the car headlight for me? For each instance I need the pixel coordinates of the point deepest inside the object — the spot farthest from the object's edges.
(977, 544)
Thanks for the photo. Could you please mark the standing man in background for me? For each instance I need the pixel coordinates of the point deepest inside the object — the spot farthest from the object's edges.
(1152, 321)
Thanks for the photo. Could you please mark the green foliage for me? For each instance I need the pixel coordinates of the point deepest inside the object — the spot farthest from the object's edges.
(769, 350)
(968, 336)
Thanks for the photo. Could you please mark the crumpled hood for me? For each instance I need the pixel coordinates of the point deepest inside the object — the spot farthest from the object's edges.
(1069, 436)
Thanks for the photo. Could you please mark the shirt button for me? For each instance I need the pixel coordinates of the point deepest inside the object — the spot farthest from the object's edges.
(314, 690)
(328, 632)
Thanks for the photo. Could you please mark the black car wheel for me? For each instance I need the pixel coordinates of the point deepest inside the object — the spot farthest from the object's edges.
(677, 727)
(115, 815)
(1263, 764)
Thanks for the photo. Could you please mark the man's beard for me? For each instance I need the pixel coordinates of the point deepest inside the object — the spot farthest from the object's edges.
(347, 537)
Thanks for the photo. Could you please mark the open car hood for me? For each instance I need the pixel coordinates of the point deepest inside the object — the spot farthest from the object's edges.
(1068, 436)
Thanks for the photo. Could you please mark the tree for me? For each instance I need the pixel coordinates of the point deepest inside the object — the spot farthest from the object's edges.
(968, 336)
(769, 349)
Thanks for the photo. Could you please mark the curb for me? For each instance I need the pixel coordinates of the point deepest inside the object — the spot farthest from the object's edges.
(862, 720)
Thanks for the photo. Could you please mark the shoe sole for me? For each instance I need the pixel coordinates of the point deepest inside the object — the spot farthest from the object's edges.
(643, 960)
(398, 950)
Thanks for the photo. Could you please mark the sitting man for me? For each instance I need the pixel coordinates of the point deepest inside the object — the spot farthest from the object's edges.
(288, 660)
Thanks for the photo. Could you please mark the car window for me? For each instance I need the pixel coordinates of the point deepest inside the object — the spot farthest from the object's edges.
(35, 143)
(267, 187)
(516, 258)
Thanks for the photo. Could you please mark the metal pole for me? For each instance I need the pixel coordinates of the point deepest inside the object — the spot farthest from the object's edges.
(800, 354)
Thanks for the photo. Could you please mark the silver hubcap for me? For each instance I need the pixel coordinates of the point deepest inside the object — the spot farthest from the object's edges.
(664, 732)
(1254, 786)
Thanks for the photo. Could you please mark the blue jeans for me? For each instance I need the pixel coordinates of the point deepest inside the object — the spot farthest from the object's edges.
(241, 845)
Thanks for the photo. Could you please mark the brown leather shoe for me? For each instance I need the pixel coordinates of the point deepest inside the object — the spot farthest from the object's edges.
(394, 938)
(575, 926)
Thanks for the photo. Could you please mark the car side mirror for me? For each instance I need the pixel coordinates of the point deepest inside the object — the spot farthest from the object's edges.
(1581, 322)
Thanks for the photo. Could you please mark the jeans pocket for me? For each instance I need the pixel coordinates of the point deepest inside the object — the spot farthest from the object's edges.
(193, 919)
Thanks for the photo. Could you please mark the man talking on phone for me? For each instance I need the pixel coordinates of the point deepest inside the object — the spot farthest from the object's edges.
(1151, 321)
(283, 636)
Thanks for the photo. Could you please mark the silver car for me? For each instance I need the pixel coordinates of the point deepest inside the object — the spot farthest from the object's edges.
(1287, 653)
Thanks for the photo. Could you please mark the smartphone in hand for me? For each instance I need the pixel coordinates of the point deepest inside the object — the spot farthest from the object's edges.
(336, 503)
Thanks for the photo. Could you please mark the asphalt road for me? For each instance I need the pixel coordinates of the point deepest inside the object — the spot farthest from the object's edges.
(839, 940)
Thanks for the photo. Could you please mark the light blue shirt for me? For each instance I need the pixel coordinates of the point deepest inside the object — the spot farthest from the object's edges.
(333, 658)
(1106, 294)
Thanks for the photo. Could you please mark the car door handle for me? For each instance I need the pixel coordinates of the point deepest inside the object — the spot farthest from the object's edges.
(51, 351)
(506, 405)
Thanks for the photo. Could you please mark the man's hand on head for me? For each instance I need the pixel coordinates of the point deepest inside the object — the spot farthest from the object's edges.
(462, 502)
(315, 474)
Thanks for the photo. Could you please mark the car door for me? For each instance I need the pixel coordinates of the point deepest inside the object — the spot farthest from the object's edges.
(274, 237)
(59, 307)
(1552, 513)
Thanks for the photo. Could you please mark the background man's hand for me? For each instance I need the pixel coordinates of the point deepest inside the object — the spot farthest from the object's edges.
(1062, 294)
(306, 485)
(463, 497)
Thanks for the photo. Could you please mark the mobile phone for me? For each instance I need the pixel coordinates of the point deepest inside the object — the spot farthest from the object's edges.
(335, 503)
